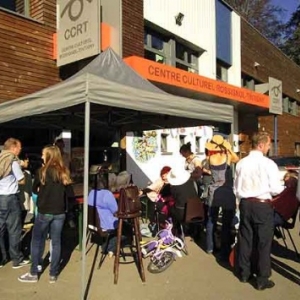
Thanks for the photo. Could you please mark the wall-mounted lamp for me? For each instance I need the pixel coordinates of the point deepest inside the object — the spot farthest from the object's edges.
(256, 64)
(179, 18)
(297, 90)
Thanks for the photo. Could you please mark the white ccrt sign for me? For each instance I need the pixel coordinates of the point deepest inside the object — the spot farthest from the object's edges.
(78, 30)
(275, 94)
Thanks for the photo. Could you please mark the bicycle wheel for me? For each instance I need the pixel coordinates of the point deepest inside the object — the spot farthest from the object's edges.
(157, 266)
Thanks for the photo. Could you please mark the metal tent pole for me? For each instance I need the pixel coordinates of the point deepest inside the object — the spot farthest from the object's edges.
(85, 195)
(275, 135)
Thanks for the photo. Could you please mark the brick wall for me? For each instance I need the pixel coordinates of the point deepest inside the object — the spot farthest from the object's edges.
(133, 27)
(273, 63)
(25, 57)
(44, 11)
(255, 48)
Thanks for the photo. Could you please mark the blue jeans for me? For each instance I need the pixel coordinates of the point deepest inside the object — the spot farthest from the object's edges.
(227, 218)
(10, 219)
(43, 225)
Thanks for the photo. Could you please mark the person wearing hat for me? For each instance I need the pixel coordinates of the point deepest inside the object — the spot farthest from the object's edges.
(220, 193)
(182, 188)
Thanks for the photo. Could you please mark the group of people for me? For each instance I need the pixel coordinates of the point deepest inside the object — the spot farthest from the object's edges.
(52, 185)
(256, 180)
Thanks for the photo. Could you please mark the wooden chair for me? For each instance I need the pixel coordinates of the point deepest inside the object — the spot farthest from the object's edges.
(194, 216)
(94, 228)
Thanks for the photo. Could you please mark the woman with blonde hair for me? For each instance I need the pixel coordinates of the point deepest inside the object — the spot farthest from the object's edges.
(52, 185)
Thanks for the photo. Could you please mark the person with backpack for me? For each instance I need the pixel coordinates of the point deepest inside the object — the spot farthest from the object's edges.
(11, 176)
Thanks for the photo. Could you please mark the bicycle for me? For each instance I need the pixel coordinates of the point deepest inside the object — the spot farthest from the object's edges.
(164, 250)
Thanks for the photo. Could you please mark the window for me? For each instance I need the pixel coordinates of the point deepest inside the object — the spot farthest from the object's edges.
(153, 56)
(290, 106)
(223, 32)
(181, 140)
(164, 143)
(156, 46)
(297, 149)
(222, 71)
(167, 50)
(197, 144)
(19, 6)
(185, 58)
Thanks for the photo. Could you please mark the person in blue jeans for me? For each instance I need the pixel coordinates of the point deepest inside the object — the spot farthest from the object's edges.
(51, 184)
(11, 176)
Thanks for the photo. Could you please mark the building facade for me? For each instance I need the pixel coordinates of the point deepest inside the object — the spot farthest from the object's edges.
(197, 49)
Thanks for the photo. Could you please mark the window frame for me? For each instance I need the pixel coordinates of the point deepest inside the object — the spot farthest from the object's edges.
(168, 53)
(223, 67)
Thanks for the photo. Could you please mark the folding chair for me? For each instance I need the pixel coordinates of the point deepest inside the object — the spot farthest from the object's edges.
(286, 205)
(94, 229)
(286, 226)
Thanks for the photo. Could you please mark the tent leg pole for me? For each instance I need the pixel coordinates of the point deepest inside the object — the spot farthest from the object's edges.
(85, 195)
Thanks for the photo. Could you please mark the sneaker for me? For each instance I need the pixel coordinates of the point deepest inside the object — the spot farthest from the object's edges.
(28, 278)
(110, 254)
(52, 279)
(3, 262)
(21, 264)
(39, 268)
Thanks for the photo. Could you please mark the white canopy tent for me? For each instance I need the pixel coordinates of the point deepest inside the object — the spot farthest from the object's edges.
(107, 80)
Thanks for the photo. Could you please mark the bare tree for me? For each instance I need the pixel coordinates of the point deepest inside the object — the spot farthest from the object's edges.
(291, 46)
(263, 15)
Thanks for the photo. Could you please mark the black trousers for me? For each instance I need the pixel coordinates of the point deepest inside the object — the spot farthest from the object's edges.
(255, 238)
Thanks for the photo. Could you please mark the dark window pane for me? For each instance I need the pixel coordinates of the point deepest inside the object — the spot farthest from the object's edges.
(180, 50)
(157, 42)
(153, 56)
(8, 4)
(145, 38)
(186, 68)
(182, 67)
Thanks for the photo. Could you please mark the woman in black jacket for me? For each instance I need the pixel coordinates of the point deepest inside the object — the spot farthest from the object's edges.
(51, 185)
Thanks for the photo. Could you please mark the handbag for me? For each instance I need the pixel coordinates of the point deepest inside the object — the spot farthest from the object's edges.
(129, 201)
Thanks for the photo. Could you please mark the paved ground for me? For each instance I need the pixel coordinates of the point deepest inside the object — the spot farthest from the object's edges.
(196, 276)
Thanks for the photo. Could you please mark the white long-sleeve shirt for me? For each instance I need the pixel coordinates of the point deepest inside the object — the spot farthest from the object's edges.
(257, 176)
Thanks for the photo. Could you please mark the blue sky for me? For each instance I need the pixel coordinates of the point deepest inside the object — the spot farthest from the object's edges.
(289, 5)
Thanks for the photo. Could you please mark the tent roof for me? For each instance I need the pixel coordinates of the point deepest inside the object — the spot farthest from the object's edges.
(107, 80)
(110, 66)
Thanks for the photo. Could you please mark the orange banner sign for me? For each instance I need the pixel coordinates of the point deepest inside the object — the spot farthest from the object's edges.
(172, 76)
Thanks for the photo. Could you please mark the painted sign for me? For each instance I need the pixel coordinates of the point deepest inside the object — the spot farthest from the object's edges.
(173, 76)
(275, 94)
(78, 30)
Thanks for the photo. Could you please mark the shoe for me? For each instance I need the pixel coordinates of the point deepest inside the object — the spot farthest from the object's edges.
(21, 264)
(28, 278)
(39, 269)
(209, 251)
(266, 285)
(244, 279)
(110, 254)
(3, 262)
(52, 279)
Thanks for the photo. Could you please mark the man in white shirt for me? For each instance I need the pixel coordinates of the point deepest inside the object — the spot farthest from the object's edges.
(256, 181)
